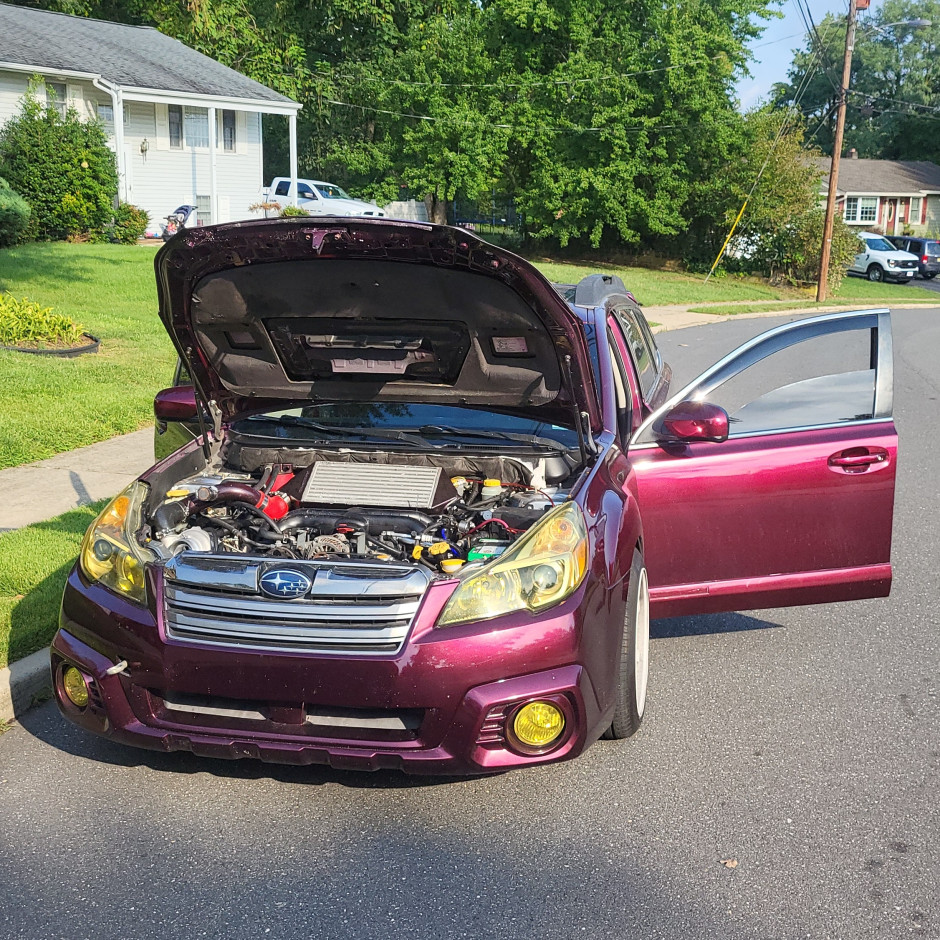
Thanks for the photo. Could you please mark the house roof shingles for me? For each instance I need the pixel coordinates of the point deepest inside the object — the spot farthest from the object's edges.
(888, 177)
(134, 56)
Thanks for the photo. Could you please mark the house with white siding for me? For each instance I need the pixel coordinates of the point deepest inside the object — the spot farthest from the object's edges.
(184, 128)
(896, 197)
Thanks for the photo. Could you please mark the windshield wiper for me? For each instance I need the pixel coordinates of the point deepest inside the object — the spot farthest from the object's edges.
(334, 430)
(432, 430)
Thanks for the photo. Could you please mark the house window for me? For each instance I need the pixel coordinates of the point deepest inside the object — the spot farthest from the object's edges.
(861, 208)
(228, 131)
(57, 97)
(105, 112)
(914, 215)
(203, 210)
(196, 126)
(174, 114)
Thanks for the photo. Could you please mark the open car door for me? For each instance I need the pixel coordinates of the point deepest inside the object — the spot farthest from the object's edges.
(768, 481)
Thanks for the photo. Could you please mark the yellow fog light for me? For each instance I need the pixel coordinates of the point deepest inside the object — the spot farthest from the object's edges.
(73, 683)
(538, 724)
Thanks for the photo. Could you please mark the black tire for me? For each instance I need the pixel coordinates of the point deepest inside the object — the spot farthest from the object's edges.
(876, 272)
(634, 659)
(930, 277)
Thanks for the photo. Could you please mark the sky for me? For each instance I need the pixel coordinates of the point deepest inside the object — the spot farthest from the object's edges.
(773, 51)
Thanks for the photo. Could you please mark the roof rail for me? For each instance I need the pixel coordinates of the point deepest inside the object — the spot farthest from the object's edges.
(592, 290)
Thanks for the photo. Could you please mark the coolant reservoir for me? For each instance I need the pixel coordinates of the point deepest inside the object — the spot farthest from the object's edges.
(491, 489)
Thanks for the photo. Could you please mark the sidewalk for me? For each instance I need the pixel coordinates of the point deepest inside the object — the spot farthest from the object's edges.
(38, 491)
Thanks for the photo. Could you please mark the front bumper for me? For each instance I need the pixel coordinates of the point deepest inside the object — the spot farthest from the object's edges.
(475, 742)
(441, 706)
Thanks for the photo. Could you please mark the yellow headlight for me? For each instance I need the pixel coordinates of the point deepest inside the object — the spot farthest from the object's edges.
(541, 569)
(110, 553)
(538, 724)
(73, 684)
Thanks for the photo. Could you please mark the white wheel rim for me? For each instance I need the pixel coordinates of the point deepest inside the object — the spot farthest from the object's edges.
(641, 645)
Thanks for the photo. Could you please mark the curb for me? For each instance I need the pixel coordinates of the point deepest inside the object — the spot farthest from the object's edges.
(22, 683)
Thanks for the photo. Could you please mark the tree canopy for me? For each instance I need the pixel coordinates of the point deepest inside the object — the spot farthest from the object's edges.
(606, 122)
(893, 105)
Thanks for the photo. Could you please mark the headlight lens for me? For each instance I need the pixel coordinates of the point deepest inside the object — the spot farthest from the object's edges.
(892, 263)
(110, 553)
(540, 570)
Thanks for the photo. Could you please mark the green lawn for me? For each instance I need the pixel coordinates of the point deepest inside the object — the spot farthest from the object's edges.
(34, 563)
(52, 405)
(653, 288)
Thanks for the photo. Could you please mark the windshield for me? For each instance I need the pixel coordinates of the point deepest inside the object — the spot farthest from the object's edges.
(438, 421)
(330, 191)
(879, 244)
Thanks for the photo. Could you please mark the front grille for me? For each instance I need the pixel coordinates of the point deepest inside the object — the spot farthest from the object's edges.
(351, 608)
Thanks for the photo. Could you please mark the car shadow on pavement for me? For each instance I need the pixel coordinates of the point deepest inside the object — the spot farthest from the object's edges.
(706, 624)
(47, 725)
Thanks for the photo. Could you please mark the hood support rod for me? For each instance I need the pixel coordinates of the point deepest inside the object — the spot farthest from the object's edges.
(586, 443)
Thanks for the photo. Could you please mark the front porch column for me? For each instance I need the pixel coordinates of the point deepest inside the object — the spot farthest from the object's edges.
(292, 126)
(213, 177)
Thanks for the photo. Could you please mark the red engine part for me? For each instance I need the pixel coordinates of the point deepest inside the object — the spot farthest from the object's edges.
(276, 506)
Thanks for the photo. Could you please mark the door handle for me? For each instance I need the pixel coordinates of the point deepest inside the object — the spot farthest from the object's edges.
(858, 459)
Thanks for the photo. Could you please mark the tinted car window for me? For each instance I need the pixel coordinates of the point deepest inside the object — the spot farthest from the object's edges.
(879, 244)
(644, 357)
(282, 188)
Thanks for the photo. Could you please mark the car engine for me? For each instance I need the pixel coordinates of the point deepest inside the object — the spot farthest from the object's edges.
(344, 510)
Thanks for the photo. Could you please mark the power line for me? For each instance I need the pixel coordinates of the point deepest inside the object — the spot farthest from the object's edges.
(385, 80)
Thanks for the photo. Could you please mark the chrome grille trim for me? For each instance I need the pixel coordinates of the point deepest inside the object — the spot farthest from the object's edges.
(348, 609)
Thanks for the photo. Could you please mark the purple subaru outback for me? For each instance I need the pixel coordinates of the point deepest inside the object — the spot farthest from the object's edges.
(433, 500)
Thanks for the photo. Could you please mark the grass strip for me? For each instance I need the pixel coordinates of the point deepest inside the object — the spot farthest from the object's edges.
(34, 563)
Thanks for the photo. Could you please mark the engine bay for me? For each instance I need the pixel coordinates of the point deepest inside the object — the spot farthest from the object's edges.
(440, 517)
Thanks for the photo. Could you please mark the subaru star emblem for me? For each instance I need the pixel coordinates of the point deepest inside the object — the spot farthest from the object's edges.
(285, 583)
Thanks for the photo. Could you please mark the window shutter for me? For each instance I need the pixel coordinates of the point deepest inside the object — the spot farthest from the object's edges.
(241, 132)
(163, 128)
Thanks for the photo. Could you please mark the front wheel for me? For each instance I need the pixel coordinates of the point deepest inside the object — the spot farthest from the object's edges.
(634, 655)
(876, 273)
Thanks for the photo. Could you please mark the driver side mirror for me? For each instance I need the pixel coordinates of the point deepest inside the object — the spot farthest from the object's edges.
(694, 421)
(175, 404)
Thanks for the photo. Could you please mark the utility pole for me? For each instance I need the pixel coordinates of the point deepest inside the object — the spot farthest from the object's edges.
(823, 281)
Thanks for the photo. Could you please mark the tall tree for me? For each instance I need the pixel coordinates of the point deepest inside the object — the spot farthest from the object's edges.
(893, 105)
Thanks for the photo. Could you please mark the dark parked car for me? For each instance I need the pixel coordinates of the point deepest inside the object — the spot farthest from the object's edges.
(437, 502)
(926, 249)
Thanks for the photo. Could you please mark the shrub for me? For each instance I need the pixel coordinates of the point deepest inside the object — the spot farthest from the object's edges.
(14, 215)
(792, 253)
(289, 212)
(130, 223)
(62, 167)
(25, 323)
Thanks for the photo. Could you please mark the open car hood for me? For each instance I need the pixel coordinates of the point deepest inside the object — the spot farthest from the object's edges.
(277, 313)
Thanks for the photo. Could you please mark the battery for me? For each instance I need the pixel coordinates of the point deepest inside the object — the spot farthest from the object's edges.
(485, 549)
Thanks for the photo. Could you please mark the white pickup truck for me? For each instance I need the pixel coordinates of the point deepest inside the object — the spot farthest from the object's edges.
(320, 198)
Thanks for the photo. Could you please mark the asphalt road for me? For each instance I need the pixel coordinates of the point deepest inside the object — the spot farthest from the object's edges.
(804, 744)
